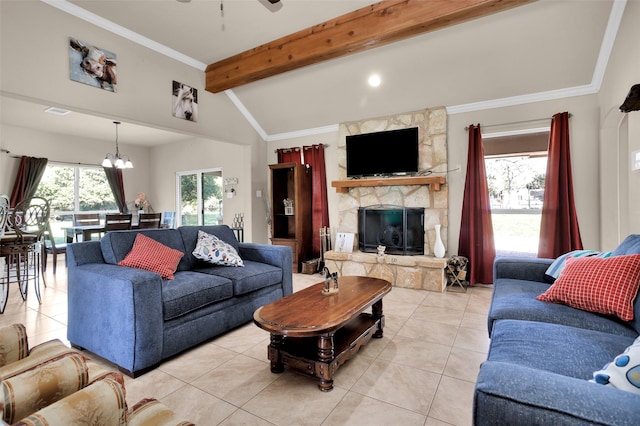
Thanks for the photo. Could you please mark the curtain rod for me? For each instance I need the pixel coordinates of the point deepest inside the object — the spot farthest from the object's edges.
(17, 157)
(517, 122)
(300, 147)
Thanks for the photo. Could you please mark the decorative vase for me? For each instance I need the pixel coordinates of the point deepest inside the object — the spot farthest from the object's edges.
(438, 248)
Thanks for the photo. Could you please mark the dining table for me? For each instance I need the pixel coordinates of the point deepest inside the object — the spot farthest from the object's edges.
(72, 231)
(87, 231)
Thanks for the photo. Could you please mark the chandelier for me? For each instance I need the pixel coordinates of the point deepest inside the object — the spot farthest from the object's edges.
(116, 160)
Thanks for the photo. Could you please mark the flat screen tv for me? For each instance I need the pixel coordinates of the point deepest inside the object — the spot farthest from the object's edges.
(388, 153)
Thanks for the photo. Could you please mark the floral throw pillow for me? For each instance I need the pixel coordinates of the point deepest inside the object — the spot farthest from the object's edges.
(215, 251)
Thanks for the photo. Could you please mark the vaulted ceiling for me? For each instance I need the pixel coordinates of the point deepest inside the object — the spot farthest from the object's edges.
(540, 50)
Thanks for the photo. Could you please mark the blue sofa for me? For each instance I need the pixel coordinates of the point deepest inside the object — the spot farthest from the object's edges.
(135, 319)
(542, 355)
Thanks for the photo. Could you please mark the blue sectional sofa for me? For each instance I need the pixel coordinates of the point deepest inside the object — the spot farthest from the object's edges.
(543, 355)
(135, 319)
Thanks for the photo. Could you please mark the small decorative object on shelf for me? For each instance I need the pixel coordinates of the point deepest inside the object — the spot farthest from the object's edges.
(288, 206)
(381, 250)
(328, 277)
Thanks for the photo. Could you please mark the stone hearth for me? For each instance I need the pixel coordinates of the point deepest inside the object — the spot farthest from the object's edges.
(417, 272)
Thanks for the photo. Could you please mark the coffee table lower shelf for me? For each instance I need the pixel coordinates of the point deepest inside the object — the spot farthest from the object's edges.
(320, 356)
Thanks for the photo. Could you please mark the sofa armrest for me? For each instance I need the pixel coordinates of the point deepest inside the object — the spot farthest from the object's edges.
(151, 412)
(116, 312)
(509, 394)
(84, 253)
(13, 343)
(44, 384)
(102, 402)
(519, 268)
(275, 255)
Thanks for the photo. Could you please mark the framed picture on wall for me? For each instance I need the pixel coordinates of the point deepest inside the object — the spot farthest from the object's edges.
(92, 65)
(185, 101)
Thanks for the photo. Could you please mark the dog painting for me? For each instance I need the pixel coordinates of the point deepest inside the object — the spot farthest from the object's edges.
(92, 65)
(185, 102)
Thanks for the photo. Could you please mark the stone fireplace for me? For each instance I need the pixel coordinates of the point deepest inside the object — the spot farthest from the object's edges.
(418, 271)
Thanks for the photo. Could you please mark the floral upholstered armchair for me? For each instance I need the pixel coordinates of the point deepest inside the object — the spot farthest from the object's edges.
(51, 384)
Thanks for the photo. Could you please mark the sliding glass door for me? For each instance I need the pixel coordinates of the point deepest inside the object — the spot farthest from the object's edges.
(199, 195)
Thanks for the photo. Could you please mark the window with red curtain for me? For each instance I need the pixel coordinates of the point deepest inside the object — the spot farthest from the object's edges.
(476, 229)
(559, 230)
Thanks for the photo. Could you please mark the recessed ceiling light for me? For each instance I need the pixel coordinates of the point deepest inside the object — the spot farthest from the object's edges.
(374, 80)
(57, 111)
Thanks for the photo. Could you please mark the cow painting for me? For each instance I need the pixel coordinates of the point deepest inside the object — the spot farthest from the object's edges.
(92, 65)
(185, 102)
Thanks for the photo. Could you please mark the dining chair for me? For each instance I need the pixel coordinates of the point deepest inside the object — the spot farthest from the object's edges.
(149, 220)
(4, 213)
(81, 219)
(117, 222)
(23, 251)
(53, 248)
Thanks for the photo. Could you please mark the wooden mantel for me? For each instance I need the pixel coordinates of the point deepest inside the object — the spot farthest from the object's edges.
(434, 182)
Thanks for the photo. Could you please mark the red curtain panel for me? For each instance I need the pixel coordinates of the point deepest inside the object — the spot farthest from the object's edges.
(289, 155)
(28, 177)
(314, 156)
(476, 229)
(559, 230)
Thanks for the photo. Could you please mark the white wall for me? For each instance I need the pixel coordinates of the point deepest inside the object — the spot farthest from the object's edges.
(34, 40)
(620, 135)
(35, 65)
(198, 154)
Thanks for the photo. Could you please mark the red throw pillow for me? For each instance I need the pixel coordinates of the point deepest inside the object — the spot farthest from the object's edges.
(150, 255)
(603, 285)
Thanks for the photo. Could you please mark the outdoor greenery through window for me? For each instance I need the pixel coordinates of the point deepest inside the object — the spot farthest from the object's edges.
(74, 188)
(516, 192)
(201, 197)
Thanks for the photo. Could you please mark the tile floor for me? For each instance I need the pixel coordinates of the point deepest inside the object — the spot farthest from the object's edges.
(422, 372)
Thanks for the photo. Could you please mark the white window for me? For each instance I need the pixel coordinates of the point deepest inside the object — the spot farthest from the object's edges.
(516, 169)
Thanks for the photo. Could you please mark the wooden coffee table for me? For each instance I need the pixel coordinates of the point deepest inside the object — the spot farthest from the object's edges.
(315, 333)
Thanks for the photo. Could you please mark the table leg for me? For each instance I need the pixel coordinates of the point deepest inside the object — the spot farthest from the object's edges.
(376, 311)
(274, 353)
(325, 356)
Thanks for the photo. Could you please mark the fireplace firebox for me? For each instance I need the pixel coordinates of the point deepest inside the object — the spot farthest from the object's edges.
(400, 229)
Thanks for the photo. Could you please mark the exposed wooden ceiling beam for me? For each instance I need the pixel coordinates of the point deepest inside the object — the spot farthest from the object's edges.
(381, 23)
